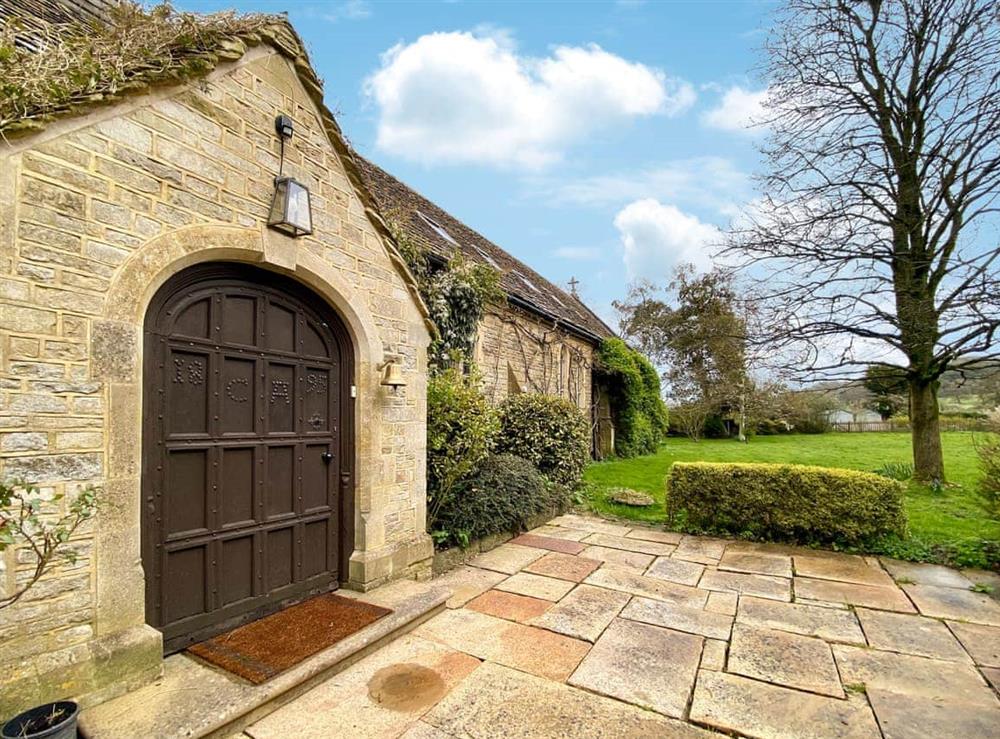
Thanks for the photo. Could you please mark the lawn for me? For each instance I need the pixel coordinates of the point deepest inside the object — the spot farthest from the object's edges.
(949, 526)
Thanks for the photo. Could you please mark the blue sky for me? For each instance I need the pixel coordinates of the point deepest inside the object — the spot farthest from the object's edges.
(601, 140)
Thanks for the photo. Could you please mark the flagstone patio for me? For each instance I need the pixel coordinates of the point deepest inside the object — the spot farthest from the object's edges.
(588, 628)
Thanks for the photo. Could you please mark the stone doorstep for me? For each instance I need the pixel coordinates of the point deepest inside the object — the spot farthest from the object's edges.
(196, 700)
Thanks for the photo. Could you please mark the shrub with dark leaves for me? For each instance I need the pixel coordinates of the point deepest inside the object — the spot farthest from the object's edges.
(501, 498)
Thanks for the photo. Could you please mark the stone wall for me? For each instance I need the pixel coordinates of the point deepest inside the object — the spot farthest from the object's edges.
(96, 213)
(519, 353)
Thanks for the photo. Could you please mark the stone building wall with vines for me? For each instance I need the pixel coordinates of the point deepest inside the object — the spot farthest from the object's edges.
(518, 353)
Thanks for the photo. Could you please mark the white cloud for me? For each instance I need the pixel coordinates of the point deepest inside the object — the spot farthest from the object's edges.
(461, 97)
(739, 110)
(703, 182)
(656, 237)
(352, 10)
(582, 253)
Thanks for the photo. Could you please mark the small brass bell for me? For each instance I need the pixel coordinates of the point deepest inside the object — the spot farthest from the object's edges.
(392, 376)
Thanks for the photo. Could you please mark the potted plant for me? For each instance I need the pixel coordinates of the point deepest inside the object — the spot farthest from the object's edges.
(23, 525)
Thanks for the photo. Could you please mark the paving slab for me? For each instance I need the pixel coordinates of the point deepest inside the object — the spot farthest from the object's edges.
(781, 657)
(756, 563)
(713, 655)
(380, 696)
(550, 543)
(535, 586)
(509, 606)
(619, 558)
(559, 532)
(590, 523)
(630, 545)
(563, 566)
(499, 703)
(992, 675)
(752, 708)
(841, 568)
(982, 642)
(680, 618)
(507, 558)
(961, 605)
(767, 547)
(919, 635)
(627, 581)
(826, 623)
(661, 537)
(584, 613)
(763, 586)
(822, 604)
(422, 730)
(526, 648)
(644, 665)
(700, 549)
(871, 596)
(467, 582)
(676, 570)
(918, 676)
(926, 574)
(722, 602)
(905, 716)
(987, 578)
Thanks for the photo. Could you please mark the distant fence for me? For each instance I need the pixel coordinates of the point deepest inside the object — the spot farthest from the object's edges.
(971, 424)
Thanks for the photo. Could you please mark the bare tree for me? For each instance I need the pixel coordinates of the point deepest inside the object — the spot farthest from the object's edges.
(878, 232)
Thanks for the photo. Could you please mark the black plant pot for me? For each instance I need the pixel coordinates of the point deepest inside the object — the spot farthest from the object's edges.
(51, 721)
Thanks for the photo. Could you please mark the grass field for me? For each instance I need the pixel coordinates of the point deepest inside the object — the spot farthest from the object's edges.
(950, 526)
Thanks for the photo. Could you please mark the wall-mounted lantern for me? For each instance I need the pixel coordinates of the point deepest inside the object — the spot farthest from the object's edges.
(291, 212)
(392, 375)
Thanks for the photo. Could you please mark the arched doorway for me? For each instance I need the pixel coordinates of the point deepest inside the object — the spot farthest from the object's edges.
(247, 449)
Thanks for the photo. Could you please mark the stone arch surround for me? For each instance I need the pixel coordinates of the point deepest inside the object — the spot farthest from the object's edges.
(117, 361)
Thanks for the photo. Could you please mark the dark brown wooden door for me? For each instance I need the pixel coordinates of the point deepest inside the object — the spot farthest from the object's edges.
(246, 475)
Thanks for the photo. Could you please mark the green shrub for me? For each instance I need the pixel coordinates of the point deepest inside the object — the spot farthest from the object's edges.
(811, 426)
(501, 497)
(715, 428)
(771, 427)
(784, 502)
(639, 413)
(549, 432)
(988, 451)
(461, 429)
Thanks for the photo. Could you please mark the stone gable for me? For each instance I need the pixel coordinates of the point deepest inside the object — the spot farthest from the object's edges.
(96, 213)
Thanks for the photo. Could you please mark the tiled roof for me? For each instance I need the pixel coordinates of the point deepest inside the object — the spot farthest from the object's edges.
(442, 235)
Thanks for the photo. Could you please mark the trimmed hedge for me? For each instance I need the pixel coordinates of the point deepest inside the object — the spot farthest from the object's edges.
(501, 497)
(786, 502)
(550, 432)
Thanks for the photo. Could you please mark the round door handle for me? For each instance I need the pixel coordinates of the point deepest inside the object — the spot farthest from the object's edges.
(327, 456)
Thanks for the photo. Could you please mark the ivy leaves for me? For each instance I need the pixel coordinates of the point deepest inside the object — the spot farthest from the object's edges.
(457, 298)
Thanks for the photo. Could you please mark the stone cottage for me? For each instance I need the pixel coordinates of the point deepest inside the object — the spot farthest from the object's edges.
(222, 381)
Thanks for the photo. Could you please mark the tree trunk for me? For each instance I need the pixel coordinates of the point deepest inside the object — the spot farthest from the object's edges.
(928, 460)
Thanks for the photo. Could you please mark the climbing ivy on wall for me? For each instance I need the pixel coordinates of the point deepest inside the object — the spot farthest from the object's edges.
(456, 297)
(639, 413)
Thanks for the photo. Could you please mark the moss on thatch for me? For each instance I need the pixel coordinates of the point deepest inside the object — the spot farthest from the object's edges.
(78, 65)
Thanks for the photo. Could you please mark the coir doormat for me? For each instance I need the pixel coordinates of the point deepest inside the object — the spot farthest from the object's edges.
(262, 649)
